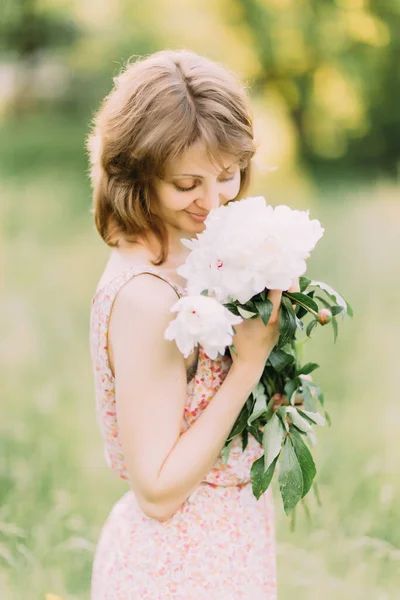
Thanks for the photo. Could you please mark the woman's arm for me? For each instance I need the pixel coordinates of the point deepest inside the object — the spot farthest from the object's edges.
(164, 466)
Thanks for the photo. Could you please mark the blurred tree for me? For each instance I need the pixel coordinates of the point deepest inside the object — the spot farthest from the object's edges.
(26, 31)
(335, 66)
(330, 68)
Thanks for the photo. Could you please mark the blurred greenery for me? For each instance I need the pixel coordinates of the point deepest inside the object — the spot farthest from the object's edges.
(326, 95)
(329, 68)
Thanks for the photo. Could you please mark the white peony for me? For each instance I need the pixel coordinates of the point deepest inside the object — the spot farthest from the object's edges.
(248, 246)
(201, 320)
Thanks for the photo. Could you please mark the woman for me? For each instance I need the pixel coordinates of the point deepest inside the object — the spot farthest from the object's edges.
(172, 141)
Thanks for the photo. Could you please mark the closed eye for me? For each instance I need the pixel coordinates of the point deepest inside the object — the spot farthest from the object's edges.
(184, 189)
(189, 189)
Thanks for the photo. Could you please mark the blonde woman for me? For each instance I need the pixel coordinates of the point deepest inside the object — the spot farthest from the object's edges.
(173, 140)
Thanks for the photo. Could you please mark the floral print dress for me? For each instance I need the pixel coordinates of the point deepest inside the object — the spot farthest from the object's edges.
(220, 543)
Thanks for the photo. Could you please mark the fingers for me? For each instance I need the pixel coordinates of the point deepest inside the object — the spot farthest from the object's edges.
(276, 297)
(280, 399)
(295, 287)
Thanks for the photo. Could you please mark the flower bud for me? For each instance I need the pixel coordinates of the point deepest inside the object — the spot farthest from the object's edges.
(324, 316)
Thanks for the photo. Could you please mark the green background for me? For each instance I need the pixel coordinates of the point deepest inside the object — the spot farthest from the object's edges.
(325, 86)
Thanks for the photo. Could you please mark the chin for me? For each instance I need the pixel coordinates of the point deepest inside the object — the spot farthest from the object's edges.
(192, 230)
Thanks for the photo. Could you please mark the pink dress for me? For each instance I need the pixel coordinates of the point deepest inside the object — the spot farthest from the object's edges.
(220, 544)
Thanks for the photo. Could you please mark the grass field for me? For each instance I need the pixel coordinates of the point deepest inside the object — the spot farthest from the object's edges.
(55, 489)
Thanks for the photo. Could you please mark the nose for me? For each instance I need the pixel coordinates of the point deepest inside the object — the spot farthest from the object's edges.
(210, 198)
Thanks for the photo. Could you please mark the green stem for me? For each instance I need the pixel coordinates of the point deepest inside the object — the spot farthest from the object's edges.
(299, 351)
(293, 521)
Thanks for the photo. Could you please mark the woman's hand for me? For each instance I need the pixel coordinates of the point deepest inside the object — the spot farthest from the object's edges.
(254, 341)
(295, 288)
(281, 399)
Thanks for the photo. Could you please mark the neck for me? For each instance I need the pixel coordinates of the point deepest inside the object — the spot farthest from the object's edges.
(149, 248)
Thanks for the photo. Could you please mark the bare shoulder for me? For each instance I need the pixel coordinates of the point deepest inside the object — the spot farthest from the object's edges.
(139, 317)
(146, 293)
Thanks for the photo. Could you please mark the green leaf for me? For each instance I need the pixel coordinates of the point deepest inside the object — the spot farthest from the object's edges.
(314, 417)
(284, 326)
(305, 459)
(270, 405)
(287, 321)
(261, 479)
(324, 302)
(327, 417)
(298, 420)
(232, 308)
(246, 314)
(249, 305)
(307, 395)
(250, 403)
(336, 310)
(268, 382)
(304, 282)
(256, 433)
(240, 423)
(272, 439)
(281, 412)
(280, 359)
(307, 369)
(290, 389)
(316, 392)
(264, 309)
(310, 327)
(245, 439)
(260, 407)
(225, 452)
(288, 305)
(301, 311)
(290, 477)
(311, 391)
(334, 296)
(204, 293)
(259, 390)
(302, 299)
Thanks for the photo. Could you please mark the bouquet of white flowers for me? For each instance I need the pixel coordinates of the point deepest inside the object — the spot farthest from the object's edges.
(247, 248)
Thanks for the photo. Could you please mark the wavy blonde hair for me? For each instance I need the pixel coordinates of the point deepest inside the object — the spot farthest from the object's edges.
(159, 106)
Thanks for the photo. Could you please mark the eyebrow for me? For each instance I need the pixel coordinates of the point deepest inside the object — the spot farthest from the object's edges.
(200, 176)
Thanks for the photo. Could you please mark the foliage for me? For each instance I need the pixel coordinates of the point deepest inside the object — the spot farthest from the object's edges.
(28, 29)
(280, 428)
(333, 64)
(329, 68)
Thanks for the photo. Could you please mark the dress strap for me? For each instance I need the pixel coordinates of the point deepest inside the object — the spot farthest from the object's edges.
(119, 280)
(102, 303)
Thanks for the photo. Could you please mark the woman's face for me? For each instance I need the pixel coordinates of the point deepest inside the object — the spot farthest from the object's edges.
(193, 186)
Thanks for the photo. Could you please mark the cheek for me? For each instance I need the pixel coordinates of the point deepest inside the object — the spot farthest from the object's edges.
(232, 189)
(175, 200)
(171, 199)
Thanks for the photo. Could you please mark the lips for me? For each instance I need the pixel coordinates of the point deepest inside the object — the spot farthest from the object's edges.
(197, 214)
